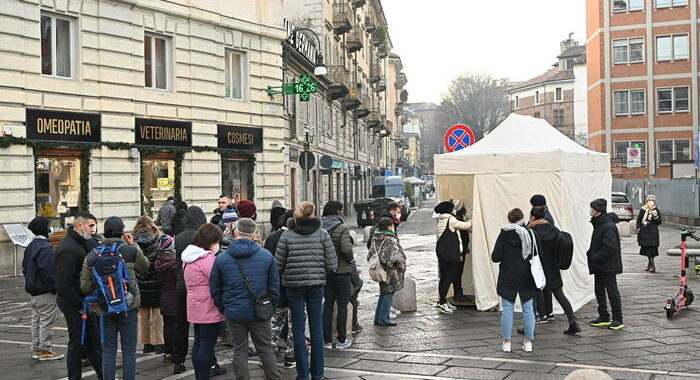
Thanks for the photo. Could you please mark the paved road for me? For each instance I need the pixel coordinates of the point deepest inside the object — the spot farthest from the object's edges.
(465, 345)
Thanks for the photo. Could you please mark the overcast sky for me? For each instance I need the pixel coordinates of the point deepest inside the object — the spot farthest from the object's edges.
(441, 39)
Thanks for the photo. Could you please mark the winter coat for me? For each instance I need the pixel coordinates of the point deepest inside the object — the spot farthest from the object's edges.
(197, 265)
(149, 283)
(391, 255)
(548, 216)
(605, 254)
(38, 266)
(385, 214)
(166, 213)
(166, 270)
(230, 293)
(514, 276)
(305, 254)
(194, 218)
(136, 263)
(342, 241)
(68, 263)
(648, 235)
(547, 235)
(455, 224)
(179, 221)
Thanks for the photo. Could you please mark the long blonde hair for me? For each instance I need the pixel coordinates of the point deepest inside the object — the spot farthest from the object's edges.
(146, 224)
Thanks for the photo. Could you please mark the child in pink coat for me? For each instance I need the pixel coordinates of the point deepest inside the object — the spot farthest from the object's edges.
(198, 259)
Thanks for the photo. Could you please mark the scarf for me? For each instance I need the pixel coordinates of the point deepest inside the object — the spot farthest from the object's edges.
(524, 235)
(647, 214)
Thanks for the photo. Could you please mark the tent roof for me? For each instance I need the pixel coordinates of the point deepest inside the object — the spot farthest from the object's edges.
(521, 144)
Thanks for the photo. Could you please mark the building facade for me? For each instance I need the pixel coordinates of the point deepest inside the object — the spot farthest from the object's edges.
(643, 81)
(412, 147)
(432, 129)
(351, 125)
(111, 107)
(553, 96)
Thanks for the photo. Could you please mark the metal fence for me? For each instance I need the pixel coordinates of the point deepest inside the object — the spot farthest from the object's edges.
(674, 196)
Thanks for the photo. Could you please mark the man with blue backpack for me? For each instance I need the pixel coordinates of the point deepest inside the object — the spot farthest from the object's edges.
(109, 279)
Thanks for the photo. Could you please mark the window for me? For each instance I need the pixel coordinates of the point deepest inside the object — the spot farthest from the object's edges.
(621, 150)
(673, 150)
(156, 57)
(671, 3)
(57, 186)
(558, 118)
(671, 48)
(672, 99)
(629, 102)
(537, 115)
(57, 46)
(235, 74)
(628, 50)
(517, 102)
(537, 97)
(558, 95)
(627, 5)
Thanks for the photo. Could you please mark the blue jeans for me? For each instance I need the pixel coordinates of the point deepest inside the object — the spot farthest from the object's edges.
(381, 314)
(312, 298)
(507, 319)
(125, 324)
(205, 335)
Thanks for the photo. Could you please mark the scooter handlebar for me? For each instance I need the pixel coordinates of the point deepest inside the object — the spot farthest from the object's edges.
(689, 233)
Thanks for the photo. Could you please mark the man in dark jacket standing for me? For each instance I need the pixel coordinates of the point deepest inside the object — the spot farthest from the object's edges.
(37, 268)
(338, 284)
(69, 258)
(240, 274)
(605, 263)
(166, 214)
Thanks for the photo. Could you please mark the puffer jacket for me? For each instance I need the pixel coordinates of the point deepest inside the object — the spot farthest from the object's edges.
(342, 241)
(514, 276)
(194, 218)
(37, 267)
(197, 265)
(230, 294)
(305, 254)
(166, 268)
(136, 263)
(455, 225)
(605, 253)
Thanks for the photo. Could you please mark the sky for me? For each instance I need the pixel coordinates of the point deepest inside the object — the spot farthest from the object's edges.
(516, 39)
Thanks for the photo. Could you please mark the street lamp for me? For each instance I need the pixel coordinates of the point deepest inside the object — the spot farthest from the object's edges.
(320, 67)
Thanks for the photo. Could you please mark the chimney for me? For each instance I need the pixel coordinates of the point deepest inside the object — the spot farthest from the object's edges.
(567, 43)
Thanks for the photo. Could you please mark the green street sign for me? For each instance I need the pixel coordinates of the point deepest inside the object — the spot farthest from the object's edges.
(305, 87)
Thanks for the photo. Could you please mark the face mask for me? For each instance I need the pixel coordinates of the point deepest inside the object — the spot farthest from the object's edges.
(398, 216)
(590, 212)
(51, 231)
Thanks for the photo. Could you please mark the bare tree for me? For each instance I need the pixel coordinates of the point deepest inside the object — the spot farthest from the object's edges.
(477, 100)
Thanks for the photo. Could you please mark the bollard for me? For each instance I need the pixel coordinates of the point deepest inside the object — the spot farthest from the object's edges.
(405, 299)
(624, 229)
(588, 374)
(633, 226)
(366, 232)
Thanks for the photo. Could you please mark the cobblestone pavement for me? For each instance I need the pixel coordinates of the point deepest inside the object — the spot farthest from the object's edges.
(465, 345)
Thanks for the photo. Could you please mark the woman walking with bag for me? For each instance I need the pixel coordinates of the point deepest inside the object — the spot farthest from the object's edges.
(514, 249)
(449, 251)
(648, 223)
(386, 252)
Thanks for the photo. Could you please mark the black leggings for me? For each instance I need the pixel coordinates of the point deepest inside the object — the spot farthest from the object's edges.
(544, 303)
(447, 276)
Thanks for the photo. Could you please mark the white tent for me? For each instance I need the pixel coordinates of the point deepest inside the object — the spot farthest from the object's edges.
(521, 157)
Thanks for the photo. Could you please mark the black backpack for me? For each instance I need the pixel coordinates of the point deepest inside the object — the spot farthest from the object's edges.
(563, 250)
(447, 246)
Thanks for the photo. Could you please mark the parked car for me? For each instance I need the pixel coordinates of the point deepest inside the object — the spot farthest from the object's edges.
(622, 207)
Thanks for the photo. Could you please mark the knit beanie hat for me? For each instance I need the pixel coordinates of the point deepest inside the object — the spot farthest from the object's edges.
(114, 227)
(284, 219)
(459, 204)
(246, 209)
(538, 200)
(166, 243)
(39, 226)
(651, 197)
(246, 226)
(600, 205)
(305, 210)
(444, 207)
(229, 215)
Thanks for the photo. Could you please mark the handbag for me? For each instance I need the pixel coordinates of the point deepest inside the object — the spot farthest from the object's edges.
(263, 306)
(536, 265)
(376, 269)
(447, 246)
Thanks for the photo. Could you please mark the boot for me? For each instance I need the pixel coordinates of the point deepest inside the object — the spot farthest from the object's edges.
(648, 265)
(652, 266)
(573, 328)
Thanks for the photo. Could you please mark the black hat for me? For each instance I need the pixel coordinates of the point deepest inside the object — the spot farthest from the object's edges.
(600, 205)
(39, 226)
(444, 207)
(170, 198)
(114, 227)
(538, 200)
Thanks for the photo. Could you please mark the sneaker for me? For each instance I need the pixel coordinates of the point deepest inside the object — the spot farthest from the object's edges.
(217, 370)
(616, 325)
(344, 345)
(36, 354)
(49, 355)
(328, 346)
(550, 318)
(527, 346)
(357, 329)
(505, 347)
(454, 308)
(540, 320)
(395, 311)
(178, 368)
(290, 364)
(600, 322)
(445, 309)
(392, 315)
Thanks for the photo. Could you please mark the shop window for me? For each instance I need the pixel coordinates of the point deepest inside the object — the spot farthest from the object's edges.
(158, 182)
(235, 175)
(57, 46)
(58, 177)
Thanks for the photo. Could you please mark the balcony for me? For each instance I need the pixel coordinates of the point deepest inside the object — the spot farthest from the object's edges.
(342, 18)
(369, 23)
(374, 121)
(352, 101)
(358, 3)
(375, 73)
(382, 51)
(401, 80)
(379, 36)
(353, 41)
(364, 109)
(340, 82)
(381, 84)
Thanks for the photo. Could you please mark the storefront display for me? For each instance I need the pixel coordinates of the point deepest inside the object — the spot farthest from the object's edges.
(158, 173)
(58, 175)
(235, 174)
(237, 170)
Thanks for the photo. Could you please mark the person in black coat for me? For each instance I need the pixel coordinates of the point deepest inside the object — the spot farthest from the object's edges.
(648, 222)
(547, 234)
(179, 217)
(513, 250)
(68, 263)
(538, 200)
(605, 263)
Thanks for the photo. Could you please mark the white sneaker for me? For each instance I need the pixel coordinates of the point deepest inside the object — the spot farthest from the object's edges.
(445, 309)
(392, 315)
(505, 346)
(527, 346)
(395, 311)
(328, 346)
(343, 345)
(454, 308)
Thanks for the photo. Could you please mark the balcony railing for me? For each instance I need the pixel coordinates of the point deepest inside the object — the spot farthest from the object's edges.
(401, 80)
(370, 24)
(381, 84)
(354, 40)
(340, 82)
(358, 3)
(342, 18)
(375, 73)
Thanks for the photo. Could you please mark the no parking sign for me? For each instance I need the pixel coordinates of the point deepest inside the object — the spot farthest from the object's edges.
(458, 137)
(634, 158)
